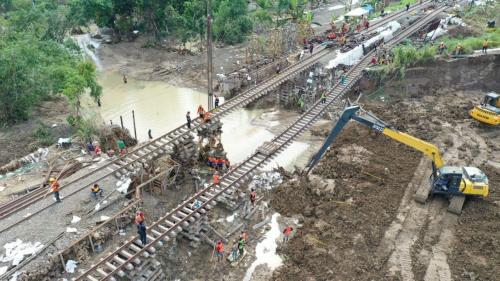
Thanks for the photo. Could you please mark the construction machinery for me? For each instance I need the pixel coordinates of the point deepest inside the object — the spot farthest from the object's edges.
(453, 182)
(488, 111)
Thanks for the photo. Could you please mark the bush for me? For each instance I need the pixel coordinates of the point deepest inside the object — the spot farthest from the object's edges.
(44, 135)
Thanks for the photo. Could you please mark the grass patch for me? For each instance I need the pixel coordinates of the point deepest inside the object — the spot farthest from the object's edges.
(394, 6)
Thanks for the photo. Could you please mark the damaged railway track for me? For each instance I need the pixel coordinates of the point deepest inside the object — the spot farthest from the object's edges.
(132, 253)
(141, 155)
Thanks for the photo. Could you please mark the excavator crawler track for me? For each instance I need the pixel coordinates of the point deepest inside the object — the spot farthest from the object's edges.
(456, 204)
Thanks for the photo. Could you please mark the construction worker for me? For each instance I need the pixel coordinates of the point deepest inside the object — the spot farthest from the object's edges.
(485, 46)
(96, 190)
(373, 60)
(188, 119)
(234, 250)
(196, 204)
(278, 69)
(90, 147)
(241, 246)
(97, 150)
(150, 134)
(366, 24)
(141, 226)
(343, 79)
(407, 7)
(286, 232)
(458, 50)
(201, 111)
(207, 117)
(216, 102)
(323, 97)
(311, 48)
(219, 251)
(124, 79)
(220, 163)
(244, 236)
(121, 146)
(227, 164)
(54, 188)
(216, 178)
(442, 47)
(253, 196)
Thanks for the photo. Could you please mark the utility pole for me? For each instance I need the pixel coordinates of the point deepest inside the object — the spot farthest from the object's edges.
(209, 55)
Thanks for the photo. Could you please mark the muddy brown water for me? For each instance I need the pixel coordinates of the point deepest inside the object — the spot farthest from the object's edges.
(162, 107)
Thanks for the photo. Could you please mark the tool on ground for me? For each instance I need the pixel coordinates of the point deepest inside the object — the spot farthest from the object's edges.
(450, 181)
(488, 111)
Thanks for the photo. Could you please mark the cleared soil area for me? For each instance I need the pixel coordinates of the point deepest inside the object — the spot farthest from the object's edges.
(368, 227)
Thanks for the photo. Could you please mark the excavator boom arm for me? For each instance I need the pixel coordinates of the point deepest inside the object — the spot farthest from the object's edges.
(351, 113)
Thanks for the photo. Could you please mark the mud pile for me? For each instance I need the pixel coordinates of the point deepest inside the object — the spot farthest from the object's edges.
(348, 231)
(343, 226)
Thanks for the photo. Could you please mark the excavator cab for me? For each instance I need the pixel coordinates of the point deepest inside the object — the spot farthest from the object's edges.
(488, 111)
(447, 180)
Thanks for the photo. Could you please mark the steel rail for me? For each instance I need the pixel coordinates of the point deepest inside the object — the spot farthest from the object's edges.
(157, 145)
(135, 158)
(174, 221)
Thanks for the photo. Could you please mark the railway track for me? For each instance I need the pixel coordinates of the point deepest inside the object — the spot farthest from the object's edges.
(132, 253)
(134, 160)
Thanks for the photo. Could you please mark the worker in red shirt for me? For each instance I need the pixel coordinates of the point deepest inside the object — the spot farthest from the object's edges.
(216, 178)
(253, 197)
(219, 251)
(286, 232)
(141, 226)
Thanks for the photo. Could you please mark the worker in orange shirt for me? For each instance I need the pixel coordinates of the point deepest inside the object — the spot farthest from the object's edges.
(216, 178)
(54, 188)
(286, 232)
(201, 111)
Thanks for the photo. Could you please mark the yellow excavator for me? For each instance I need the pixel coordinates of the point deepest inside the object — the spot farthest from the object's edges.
(453, 182)
(488, 111)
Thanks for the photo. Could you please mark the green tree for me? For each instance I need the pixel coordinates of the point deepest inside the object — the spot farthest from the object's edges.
(36, 62)
(231, 23)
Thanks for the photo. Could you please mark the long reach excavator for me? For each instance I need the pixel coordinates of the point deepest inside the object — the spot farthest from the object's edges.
(453, 182)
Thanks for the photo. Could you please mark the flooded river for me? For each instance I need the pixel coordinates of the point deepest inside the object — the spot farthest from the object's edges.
(162, 107)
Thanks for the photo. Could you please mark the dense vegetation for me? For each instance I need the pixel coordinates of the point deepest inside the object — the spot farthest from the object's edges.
(37, 61)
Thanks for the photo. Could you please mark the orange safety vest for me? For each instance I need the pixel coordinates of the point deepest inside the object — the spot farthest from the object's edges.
(288, 230)
(216, 179)
(139, 219)
(54, 187)
(207, 117)
(201, 110)
(220, 248)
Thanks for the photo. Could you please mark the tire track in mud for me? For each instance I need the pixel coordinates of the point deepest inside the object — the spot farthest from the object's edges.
(402, 235)
(438, 267)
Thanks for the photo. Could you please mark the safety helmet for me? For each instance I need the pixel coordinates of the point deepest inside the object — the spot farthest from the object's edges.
(52, 180)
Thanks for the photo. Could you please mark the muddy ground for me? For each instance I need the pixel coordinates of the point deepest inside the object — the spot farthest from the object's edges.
(19, 139)
(369, 228)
